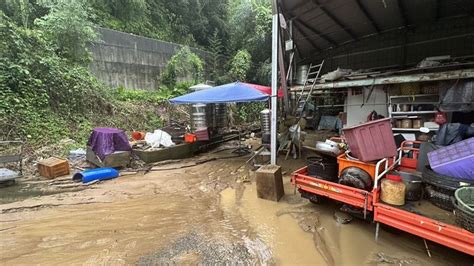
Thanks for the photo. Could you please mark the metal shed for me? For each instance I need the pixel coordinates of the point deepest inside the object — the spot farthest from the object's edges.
(384, 38)
(379, 33)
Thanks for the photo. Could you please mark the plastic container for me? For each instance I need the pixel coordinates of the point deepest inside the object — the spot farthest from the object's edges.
(323, 168)
(417, 123)
(96, 174)
(465, 199)
(407, 123)
(398, 123)
(189, 138)
(393, 190)
(138, 135)
(345, 162)
(464, 207)
(456, 160)
(371, 141)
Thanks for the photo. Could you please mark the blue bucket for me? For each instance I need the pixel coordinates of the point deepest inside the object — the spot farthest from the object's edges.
(96, 174)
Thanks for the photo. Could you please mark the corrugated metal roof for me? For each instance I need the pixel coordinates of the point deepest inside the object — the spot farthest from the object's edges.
(320, 25)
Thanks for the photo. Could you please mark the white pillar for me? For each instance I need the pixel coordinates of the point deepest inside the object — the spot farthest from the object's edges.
(273, 131)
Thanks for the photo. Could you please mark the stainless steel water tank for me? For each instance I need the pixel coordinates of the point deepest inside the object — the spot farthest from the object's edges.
(198, 116)
(265, 120)
(220, 116)
(301, 73)
(201, 116)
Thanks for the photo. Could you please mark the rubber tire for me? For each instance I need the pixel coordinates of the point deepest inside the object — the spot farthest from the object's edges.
(443, 181)
(313, 198)
(362, 180)
(440, 198)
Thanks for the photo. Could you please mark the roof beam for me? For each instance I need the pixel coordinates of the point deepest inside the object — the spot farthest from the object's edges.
(336, 20)
(281, 5)
(368, 16)
(403, 13)
(315, 46)
(429, 76)
(438, 10)
(316, 32)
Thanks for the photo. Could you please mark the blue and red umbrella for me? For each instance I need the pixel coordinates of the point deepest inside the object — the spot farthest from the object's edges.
(227, 93)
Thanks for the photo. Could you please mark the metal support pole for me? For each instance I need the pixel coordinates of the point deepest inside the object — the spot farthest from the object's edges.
(377, 229)
(273, 129)
(290, 27)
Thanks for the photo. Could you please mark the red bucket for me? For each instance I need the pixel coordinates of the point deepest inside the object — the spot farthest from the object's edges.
(138, 135)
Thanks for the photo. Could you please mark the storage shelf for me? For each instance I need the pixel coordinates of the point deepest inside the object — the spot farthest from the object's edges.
(417, 103)
(413, 96)
(414, 113)
(412, 129)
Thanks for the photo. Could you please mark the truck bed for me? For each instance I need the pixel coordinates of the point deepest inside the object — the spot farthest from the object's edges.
(427, 209)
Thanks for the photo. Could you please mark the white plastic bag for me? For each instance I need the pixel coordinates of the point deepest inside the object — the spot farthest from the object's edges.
(158, 138)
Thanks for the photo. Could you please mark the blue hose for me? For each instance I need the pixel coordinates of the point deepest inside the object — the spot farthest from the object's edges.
(96, 174)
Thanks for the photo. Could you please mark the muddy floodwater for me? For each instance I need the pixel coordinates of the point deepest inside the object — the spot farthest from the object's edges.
(205, 214)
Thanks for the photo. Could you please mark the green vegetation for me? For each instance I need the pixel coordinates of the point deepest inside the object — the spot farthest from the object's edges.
(240, 65)
(48, 94)
(223, 27)
(45, 97)
(184, 64)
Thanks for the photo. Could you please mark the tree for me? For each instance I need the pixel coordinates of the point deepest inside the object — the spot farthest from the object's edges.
(68, 28)
(250, 29)
(217, 59)
(240, 65)
(19, 10)
(183, 66)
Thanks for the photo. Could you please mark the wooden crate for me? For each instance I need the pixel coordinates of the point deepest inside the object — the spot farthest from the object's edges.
(53, 167)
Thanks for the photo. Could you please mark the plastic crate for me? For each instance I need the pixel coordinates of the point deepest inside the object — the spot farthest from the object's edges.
(371, 141)
(456, 160)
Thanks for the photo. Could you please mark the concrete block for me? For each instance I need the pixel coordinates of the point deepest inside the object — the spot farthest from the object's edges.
(270, 183)
(116, 159)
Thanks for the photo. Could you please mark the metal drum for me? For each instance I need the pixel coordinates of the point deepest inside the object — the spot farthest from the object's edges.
(301, 73)
(198, 116)
(210, 116)
(265, 120)
(220, 116)
(201, 114)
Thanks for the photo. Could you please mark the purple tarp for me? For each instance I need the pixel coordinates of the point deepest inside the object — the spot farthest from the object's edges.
(105, 141)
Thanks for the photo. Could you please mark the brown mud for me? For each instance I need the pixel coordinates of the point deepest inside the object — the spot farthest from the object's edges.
(205, 214)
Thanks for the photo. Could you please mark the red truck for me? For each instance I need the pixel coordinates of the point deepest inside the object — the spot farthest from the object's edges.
(415, 220)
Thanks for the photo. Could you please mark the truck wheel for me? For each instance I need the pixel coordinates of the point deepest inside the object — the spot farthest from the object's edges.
(313, 198)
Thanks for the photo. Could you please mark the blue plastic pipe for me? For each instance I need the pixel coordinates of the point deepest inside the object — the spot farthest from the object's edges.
(96, 174)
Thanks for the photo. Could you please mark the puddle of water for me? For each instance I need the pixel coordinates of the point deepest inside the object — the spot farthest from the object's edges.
(277, 232)
(20, 191)
(293, 229)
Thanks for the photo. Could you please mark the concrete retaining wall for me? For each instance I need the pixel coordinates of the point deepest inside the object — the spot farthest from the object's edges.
(131, 61)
